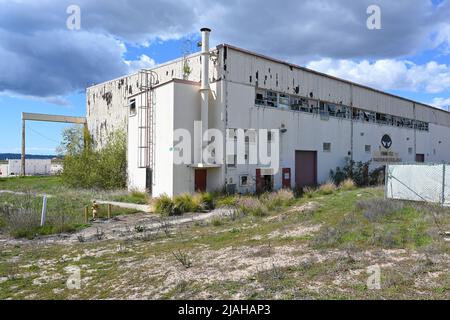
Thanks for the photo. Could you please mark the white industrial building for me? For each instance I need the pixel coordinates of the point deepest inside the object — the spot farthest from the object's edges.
(319, 120)
(34, 167)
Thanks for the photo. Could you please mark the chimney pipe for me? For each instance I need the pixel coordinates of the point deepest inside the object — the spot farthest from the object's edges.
(204, 89)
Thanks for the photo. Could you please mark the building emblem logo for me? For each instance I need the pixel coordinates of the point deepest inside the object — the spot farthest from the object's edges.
(386, 141)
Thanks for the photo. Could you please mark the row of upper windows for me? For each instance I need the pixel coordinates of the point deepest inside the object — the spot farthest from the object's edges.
(274, 99)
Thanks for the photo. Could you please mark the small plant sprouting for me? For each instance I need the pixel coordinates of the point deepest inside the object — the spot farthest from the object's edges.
(139, 228)
(182, 258)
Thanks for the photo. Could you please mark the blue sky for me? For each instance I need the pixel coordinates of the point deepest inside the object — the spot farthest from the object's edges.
(45, 67)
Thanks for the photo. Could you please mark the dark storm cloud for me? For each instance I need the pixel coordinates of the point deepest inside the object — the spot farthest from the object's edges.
(40, 57)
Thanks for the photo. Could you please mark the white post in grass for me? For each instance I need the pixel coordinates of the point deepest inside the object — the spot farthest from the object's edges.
(44, 211)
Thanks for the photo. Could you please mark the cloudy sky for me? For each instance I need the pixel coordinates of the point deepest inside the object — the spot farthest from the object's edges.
(45, 67)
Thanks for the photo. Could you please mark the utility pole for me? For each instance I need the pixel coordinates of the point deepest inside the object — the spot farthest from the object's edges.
(22, 173)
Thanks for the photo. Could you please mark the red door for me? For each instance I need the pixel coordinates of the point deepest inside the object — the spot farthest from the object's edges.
(200, 180)
(286, 178)
(305, 168)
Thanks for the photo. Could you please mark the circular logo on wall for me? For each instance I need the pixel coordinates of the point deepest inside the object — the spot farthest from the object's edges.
(386, 141)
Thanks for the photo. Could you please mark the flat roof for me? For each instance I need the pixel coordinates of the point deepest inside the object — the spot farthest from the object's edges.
(325, 75)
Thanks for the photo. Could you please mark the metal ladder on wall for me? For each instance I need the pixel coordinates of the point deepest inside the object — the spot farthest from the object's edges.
(147, 79)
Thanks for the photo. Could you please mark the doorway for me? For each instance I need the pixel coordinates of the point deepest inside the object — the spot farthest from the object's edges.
(264, 183)
(305, 168)
(200, 180)
(420, 157)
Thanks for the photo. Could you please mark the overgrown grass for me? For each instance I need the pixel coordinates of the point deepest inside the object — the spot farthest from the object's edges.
(132, 197)
(379, 223)
(184, 203)
(143, 269)
(20, 214)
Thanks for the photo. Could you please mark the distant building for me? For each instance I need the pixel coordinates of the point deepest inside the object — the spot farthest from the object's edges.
(34, 167)
(321, 120)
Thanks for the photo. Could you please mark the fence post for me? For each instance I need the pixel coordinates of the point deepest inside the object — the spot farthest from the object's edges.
(443, 184)
(386, 169)
(109, 211)
(86, 212)
(44, 211)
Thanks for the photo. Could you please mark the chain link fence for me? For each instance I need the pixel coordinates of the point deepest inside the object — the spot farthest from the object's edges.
(419, 182)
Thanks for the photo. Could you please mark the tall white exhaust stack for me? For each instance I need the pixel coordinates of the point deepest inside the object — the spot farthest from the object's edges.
(204, 89)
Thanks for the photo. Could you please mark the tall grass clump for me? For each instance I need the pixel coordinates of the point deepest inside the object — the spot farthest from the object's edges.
(327, 188)
(251, 206)
(186, 203)
(21, 219)
(278, 199)
(347, 185)
(309, 192)
(204, 201)
(164, 205)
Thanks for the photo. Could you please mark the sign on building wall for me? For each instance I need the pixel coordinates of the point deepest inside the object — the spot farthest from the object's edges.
(386, 154)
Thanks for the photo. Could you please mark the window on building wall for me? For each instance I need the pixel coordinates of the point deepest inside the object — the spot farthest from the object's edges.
(244, 181)
(133, 107)
(272, 99)
(327, 147)
(410, 150)
(283, 101)
(368, 148)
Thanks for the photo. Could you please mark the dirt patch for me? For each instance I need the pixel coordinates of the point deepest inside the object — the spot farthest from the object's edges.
(121, 228)
(297, 232)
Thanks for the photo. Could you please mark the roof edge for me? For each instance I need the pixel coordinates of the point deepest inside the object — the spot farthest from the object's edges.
(262, 56)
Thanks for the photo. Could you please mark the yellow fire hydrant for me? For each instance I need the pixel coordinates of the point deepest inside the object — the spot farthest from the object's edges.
(94, 210)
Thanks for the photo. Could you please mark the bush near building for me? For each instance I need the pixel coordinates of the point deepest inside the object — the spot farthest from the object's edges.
(88, 167)
(359, 173)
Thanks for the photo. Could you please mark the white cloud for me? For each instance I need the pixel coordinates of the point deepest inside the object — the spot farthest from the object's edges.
(144, 62)
(389, 74)
(441, 103)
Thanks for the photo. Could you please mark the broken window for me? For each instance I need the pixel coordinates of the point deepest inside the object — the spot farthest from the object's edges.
(283, 101)
(244, 181)
(132, 107)
(272, 99)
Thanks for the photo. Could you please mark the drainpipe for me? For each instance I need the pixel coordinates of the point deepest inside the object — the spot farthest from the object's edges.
(204, 89)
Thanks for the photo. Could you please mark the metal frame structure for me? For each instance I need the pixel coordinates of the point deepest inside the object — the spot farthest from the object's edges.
(44, 118)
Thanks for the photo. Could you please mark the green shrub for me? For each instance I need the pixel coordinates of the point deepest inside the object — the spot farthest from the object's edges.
(358, 172)
(86, 167)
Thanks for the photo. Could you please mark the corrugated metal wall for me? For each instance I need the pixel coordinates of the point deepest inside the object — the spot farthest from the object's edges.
(251, 69)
